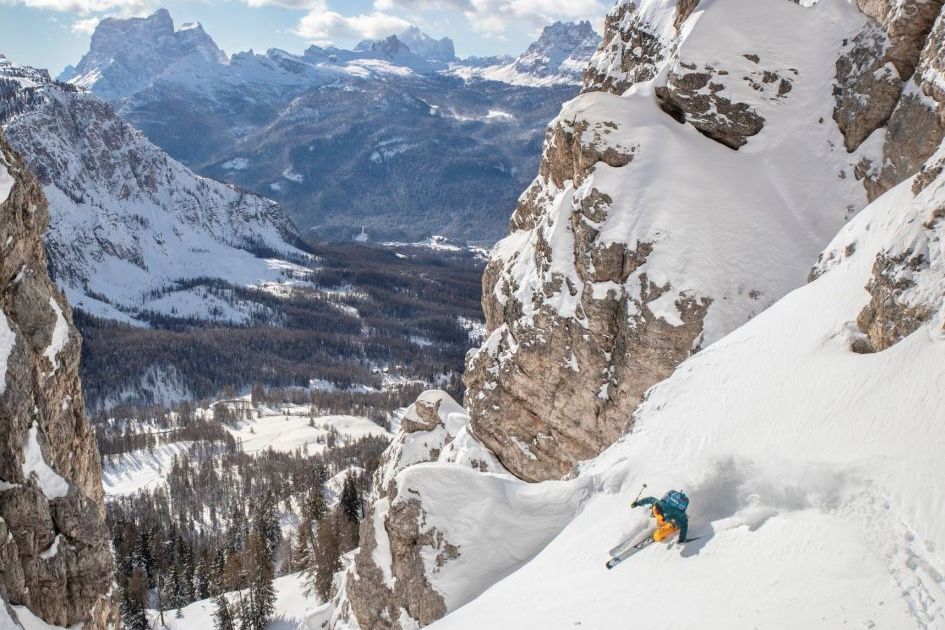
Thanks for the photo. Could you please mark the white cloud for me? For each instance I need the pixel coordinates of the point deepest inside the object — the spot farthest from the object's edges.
(424, 5)
(324, 26)
(287, 4)
(84, 26)
(494, 17)
(86, 7)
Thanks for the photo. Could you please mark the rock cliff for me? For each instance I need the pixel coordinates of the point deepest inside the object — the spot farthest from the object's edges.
(54, 546)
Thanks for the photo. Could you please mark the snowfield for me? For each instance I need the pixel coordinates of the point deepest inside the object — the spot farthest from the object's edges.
(292, 608)
(286, 429)
(288, 432)
(144, 469)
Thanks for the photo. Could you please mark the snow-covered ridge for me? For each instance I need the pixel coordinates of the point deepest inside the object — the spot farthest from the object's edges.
(128, 224)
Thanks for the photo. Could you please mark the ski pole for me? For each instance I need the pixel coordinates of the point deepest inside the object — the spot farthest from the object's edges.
(640, 494)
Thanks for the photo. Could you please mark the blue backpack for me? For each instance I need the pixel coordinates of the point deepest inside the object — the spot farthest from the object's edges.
(676, 499)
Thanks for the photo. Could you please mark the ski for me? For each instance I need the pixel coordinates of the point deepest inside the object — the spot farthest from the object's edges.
(622, 546)
(623, 555)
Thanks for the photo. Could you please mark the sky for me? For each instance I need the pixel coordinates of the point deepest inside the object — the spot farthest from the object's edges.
(54, 33)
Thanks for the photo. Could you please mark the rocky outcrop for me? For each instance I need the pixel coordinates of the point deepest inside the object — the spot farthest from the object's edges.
(887, 77)
(54, 545)
(637, 40)
(696, 97)
(583, 311)
(906, 285)
(888, 317)
(389, 583)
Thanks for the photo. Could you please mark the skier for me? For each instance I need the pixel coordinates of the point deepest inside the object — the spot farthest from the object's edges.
(670, 514)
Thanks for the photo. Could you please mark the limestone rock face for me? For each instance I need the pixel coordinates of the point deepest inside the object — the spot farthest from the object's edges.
(576, 298)
(54, 547)
(635, 43)
(889, 77)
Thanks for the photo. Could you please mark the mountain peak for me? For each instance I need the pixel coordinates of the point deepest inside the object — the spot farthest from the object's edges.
(413, 42)
(126, 54)
(562, 48)
(557, 57)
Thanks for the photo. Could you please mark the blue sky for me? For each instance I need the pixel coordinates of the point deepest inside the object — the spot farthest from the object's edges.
(53, 33)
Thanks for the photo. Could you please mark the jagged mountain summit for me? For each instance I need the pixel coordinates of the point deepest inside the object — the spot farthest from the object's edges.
(133, 233)
(648, 321)
(385, 138)
(127, 54)
(413, 48)
(558, 56)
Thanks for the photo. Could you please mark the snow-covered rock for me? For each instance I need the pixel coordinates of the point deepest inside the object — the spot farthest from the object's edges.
(130, 227)
(643, 240)
(127, 54)
(413, 49)
(390, 574)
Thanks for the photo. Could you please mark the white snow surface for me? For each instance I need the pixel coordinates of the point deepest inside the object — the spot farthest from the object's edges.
(29, 621)
(143, 469)
(52, 484)
(60, 335)
(6, 181)
(815, 473)
(288, 432)
(7, 340)
(292, 609)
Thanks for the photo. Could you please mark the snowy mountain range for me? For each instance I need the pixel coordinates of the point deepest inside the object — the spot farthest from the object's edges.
(134, 233)
(558, 56)
(398, 137)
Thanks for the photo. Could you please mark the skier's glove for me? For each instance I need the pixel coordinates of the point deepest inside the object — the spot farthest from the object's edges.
(634, 504)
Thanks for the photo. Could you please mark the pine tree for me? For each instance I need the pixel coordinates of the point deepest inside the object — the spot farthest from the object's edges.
(222, 615)
(187, 582)
(315, 507)
(266, 523)
(133, 614)
(202, 580)
(351, 499)
(327, 555)
(261, 599)
(142, 556)
(171, 591)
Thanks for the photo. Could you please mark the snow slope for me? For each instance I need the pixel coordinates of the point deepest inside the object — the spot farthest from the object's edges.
(291, 609)
(815, 473)
(139, 470)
